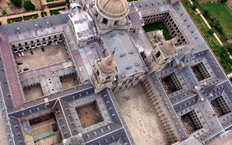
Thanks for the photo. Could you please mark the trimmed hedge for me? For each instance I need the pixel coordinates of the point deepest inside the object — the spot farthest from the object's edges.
(56, 5)
(43, 13)
(16, 19)
(28, 17)
(49, 0)
(56, 11)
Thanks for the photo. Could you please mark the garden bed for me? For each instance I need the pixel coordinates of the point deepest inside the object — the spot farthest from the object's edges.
(58, 5)
(158, 26)
(28, 17)
(43, 13)
(56, 11)
(17, 19)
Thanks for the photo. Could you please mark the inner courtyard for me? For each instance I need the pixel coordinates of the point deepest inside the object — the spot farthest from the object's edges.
(33, 92)
(191, 122)
(34, 59)
(69, 81)
(89, 114)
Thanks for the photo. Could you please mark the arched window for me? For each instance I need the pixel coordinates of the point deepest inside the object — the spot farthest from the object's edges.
(104, 21)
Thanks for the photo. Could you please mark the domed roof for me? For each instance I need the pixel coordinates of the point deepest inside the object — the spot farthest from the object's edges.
(168, 48)
(108, 64)
(113, 8)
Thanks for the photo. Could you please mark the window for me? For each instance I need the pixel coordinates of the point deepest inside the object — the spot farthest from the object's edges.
(19, 44)
(43, 39)
(31, 41)
(108, 77)
(116, 22)
(38, 40)
(25, 43)
(104, 21)
(157, 55)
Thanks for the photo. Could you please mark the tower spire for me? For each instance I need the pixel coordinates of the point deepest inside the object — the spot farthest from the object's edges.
(110, 59)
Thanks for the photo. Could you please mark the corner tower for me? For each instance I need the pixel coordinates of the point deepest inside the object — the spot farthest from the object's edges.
(161, 55)
(104, 73)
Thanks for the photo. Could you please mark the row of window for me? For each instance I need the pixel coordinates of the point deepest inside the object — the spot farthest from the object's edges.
(26, 43)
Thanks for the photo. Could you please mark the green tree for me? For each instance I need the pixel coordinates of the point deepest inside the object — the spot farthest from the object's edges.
(206, 14)
(223, 1)
(28, 5)
(211, 31)
(4, 12)
(17, 3)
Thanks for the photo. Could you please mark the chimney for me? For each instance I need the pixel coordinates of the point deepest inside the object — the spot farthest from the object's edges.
(47, 25)
(18, 30)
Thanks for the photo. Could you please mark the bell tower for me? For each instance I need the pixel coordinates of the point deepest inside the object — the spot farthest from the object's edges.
(104, 73)
(161, 55)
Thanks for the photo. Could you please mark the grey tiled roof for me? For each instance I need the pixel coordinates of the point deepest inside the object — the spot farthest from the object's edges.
(9, 29)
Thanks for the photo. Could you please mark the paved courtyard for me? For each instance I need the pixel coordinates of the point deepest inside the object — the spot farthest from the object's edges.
(224, 141)
(33, 93)
(140, 116)
(51, 55)
(69, 81)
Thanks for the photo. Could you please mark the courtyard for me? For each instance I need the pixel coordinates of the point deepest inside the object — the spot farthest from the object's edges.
(43, 131)
(158, 26)
(89, 114)
(141, 117)
(33, 93)
(39, 59)
(191, 122)
(69, 81)
(171, 83)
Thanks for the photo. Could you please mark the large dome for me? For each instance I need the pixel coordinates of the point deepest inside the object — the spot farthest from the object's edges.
(113, 8)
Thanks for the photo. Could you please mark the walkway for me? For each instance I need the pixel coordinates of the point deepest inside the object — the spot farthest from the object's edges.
(46, 9)
(44, 2)
(4, 19)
